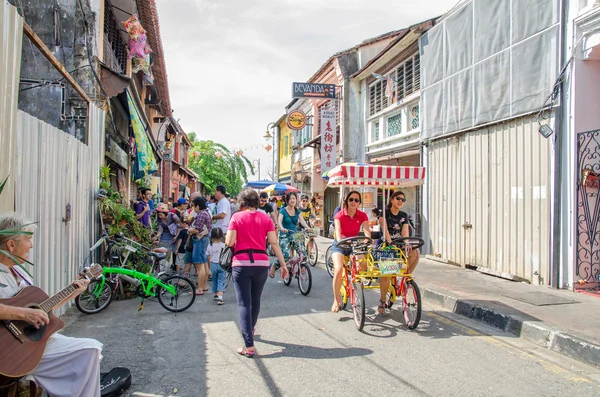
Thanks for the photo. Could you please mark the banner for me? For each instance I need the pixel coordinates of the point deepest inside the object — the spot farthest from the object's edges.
(328, 140)
(145, 160)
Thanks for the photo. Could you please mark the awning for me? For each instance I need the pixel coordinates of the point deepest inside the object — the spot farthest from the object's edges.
(352, 174)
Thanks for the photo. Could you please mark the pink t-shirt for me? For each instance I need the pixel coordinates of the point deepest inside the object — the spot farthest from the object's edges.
(252, 228)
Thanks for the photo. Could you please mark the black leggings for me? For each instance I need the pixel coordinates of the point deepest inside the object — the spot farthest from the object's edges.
(249, 282)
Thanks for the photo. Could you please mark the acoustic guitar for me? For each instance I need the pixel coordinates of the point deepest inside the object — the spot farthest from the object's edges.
(22, 344)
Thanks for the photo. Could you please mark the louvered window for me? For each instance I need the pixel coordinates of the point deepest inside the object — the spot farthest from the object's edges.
(408, 77)
(377, 99)
(372, 100)
(376, 133)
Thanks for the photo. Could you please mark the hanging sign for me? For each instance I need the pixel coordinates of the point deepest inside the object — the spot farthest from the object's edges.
(328, 140)
(310, 90)
(296, 120)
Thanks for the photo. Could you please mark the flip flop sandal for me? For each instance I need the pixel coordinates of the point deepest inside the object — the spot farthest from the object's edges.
(199, 292)
(242, 351)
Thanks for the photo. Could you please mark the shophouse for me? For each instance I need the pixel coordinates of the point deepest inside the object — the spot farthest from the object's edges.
(307, 167)
(488, 71)
(579, 232)
(388, 112)
(284, 150)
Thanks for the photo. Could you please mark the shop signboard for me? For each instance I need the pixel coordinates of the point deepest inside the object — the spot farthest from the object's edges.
(328, 140)
(312, 90)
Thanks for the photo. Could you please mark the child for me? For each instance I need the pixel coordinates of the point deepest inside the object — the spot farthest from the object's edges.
(180, 240)
(213, 252)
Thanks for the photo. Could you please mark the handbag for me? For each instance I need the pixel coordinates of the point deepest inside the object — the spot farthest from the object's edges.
(225, 259)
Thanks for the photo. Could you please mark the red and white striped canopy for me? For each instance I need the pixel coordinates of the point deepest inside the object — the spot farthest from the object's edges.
(375, 175)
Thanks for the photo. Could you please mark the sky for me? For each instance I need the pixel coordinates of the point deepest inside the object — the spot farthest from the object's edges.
(231, 63)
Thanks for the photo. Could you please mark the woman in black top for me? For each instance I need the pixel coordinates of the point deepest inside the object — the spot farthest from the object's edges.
(396, 225)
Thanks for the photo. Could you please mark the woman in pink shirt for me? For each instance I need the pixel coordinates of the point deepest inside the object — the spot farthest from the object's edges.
(246, 233)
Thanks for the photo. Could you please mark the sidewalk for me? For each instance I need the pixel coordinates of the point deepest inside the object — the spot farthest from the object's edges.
(571, 329)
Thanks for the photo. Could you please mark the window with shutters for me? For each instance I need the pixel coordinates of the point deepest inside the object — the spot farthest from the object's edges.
(408, 77)
(377, 99)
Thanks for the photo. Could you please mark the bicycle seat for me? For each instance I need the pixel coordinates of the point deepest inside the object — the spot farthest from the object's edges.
(412, 242)
(158, 255)
(358, 243)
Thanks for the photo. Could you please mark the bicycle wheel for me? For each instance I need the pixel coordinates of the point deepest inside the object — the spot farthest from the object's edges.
(411, 304)
(329, 262)
(184, 296)
(95, 298)
(313, 251)
(288, 280)
(358, 306)
(304, 279)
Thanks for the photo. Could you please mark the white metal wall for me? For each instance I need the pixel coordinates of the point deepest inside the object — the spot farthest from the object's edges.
(53, 169)
(496, 179)
(11, 37)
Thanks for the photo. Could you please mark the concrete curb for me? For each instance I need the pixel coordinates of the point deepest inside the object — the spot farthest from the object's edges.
(537, 332)
(540, 333)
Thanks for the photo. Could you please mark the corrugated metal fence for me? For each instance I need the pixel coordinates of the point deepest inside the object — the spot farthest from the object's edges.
(489, 199)
(11, 37)
(54, 170)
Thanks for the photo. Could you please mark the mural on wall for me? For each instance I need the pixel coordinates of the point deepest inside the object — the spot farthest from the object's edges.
(588, 207)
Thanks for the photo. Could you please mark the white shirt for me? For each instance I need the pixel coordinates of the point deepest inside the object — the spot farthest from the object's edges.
(223, 207)
(214, 251)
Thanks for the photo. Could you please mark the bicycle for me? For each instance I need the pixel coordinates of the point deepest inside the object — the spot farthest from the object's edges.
(170, 290)
(329, 262)
(312, 250)
(297, 267)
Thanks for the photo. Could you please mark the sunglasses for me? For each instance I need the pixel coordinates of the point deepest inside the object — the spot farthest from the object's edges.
(353, 200)
(400, 199)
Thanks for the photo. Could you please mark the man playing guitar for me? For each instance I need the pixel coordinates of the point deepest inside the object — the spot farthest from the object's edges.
(68, 366)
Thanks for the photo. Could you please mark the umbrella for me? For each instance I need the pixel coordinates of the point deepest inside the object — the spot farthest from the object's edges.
(259, 184)
(279, 188)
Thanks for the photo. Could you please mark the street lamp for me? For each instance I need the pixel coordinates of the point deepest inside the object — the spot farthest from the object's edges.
(268, 136)
(254, 161)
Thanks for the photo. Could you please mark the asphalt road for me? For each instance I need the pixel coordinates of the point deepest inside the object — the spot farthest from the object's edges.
(304, 350)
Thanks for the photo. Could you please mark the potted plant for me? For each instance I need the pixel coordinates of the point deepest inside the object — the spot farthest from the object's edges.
(105, 177)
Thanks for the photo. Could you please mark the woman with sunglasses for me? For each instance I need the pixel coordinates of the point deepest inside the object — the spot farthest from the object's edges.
(396, 224)
(347, 223)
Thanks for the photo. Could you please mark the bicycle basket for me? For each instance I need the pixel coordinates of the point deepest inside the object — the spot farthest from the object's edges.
(299, 237)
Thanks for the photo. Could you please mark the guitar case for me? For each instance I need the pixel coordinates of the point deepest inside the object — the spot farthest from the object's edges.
(114, 382)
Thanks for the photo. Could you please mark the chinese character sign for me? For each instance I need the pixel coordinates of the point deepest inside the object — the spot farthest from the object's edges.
(328, 140)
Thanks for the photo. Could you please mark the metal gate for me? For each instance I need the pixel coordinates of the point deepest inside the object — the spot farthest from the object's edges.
(588, 206)
(489, 200)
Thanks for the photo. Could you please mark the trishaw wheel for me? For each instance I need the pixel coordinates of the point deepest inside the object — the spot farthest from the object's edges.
(411, 302)
(358, 306)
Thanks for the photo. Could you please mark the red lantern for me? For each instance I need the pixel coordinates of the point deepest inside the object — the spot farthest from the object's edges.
(196, 153)
(239, 152)
(218, 154)
(268, 148)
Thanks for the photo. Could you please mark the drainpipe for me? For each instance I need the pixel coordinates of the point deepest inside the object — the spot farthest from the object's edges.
(559, 131)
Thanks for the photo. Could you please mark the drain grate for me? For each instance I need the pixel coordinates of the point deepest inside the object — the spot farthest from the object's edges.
(540, 299)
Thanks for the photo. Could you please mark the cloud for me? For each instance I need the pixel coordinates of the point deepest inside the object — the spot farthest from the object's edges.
(231, 63)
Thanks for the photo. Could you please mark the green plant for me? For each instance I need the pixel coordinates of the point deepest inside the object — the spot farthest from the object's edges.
(105, 175)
